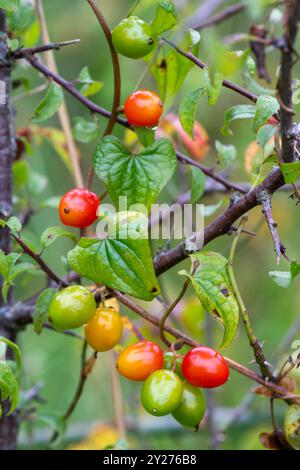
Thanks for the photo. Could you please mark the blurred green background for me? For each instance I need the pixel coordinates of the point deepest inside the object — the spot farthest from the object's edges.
(54, 359)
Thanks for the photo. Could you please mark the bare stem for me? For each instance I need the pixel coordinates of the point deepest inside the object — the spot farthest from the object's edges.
(63, 112)
(86, 368)
(169, 311)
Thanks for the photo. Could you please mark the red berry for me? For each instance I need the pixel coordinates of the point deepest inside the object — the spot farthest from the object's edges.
(205, 367)
(143, 108)
(78, 208)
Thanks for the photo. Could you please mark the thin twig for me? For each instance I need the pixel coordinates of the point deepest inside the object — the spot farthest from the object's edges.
(116, 395)
(255, 343)
(117, 78)
(212, 174)
(21, 53)
(168, 312)
(85, 370)
(47, 270)
(223, 15)
(226, 83)
(70, 333)
(63, 111)
(266, 205)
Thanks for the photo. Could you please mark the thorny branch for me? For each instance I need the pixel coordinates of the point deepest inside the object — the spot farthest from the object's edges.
(266, 205)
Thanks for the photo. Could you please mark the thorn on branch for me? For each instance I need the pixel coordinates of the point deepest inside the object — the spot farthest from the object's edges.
(265, 200)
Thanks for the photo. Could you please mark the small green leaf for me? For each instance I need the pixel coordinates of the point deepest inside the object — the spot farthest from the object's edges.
(20, 173)
(145, 135)
(9, 5)
(14, 225)
(285, 278)
(13, 44)
(188, 109)
(213, 85)
(295, 269)
(251, 66)
(51, 234)
(9, 388)
(40, 314)
(122, 260)
(165, 17)
(50, 104)
(281, 278)
(17, 353)
(226, 154)
(212, 285)
(266, 106)
(4, 266)
(90, 87)
(20, 20)
(240, 111)
(292, 426)
(139, 177)
(198, 184)
(264, 134)
(290, 171)
(85, 131)
(31, 36)
(195, 37)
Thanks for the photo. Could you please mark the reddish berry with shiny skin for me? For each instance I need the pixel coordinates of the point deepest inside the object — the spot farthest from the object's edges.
(143, 108)
(204, 367)
(139, 360)
(78, 208)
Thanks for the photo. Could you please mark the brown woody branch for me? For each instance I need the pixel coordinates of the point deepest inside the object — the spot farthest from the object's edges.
(8, 426)
(226, 83)
(222, 224)
(291, 18)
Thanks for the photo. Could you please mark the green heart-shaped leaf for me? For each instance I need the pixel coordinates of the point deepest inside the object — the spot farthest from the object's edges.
(212, 285)
(139, 177)
(122, 260)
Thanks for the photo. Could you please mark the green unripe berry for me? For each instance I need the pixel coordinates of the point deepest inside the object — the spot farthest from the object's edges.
(71, 308)
(133, 38)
